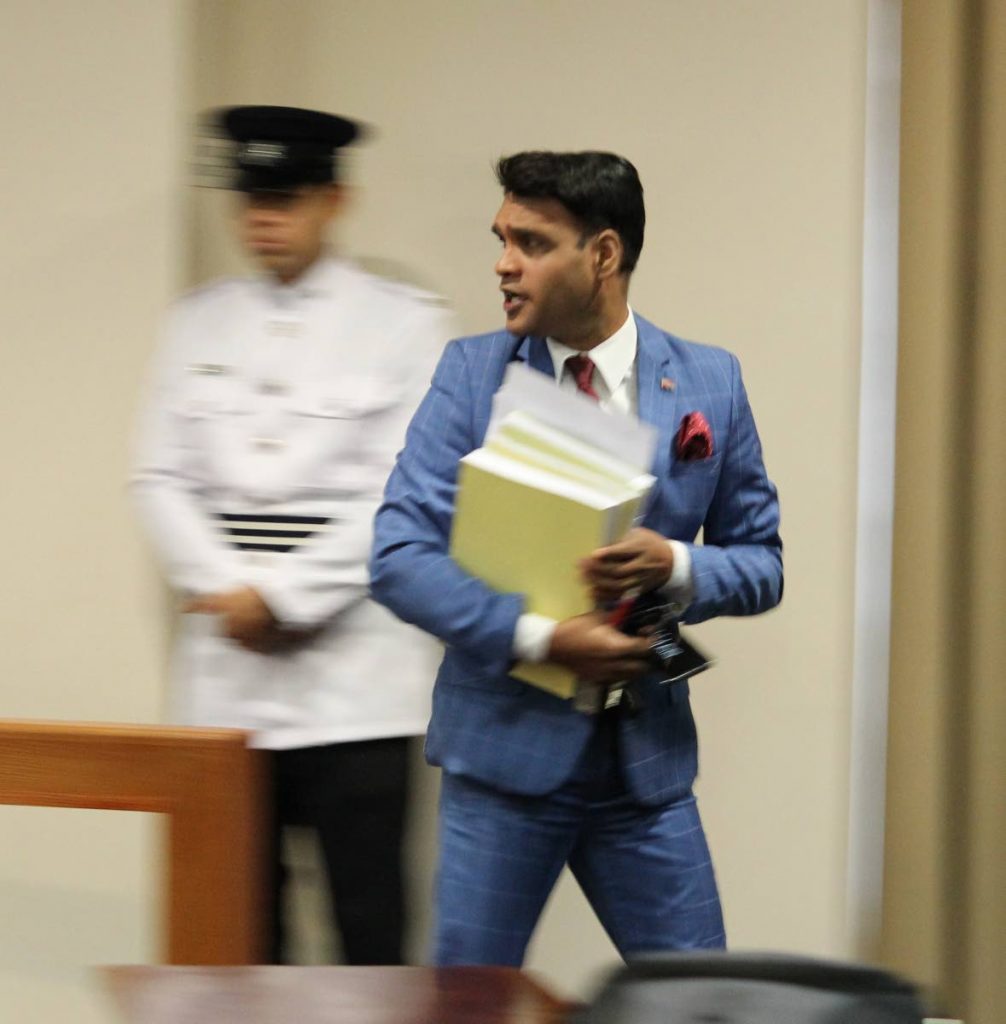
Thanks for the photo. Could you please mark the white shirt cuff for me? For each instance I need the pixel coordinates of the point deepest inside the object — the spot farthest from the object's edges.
(532, 637)
(679, 589)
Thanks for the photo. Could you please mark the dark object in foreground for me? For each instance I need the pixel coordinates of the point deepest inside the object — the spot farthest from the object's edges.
(675, 656)
(731, 988)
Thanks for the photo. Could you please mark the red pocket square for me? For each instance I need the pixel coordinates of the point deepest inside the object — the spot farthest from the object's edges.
(694, 439)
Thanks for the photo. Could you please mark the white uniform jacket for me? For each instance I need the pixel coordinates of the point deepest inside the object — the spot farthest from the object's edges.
(274, 419)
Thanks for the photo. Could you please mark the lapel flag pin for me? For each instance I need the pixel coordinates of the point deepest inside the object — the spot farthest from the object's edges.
(666, 384)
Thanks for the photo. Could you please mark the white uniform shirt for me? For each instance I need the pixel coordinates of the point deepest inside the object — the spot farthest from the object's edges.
(289, 401)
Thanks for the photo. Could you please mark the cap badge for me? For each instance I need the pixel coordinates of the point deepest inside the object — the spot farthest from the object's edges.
(266, 154)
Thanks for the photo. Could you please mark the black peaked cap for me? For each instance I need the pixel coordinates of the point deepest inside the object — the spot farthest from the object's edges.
(279, 148)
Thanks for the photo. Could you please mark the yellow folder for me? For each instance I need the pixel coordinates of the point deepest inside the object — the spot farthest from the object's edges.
(522, 526)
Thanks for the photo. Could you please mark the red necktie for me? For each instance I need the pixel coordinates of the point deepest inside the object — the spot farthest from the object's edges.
(582, 368)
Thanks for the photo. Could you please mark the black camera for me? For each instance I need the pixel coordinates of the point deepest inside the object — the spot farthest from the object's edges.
(674, 656)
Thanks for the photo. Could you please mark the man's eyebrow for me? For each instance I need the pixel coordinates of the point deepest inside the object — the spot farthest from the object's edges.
(529, 235)
(522, 235)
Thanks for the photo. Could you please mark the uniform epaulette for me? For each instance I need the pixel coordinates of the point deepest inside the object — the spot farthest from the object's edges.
(414, 293)
(385, 276)
(429, 298)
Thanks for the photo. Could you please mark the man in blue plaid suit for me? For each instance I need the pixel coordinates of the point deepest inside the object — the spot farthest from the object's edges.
(532, 782)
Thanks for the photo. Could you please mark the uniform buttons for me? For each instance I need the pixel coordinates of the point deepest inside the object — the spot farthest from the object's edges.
(268, 444)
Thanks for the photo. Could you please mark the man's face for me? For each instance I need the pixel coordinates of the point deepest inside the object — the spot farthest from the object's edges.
(546, 270)
(284, 232)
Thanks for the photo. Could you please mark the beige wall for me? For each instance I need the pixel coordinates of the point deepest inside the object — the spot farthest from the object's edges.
(746, 121)
(91, 132)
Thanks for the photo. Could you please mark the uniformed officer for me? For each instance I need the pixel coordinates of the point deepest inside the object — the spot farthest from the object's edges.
(278, 404)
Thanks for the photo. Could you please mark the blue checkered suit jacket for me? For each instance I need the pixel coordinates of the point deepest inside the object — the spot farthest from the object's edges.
(492, 727)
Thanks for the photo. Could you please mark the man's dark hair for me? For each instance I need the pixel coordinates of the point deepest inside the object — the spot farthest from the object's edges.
(601, 190)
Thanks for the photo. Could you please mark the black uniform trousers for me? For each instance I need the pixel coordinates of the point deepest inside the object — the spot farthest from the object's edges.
(353, 795)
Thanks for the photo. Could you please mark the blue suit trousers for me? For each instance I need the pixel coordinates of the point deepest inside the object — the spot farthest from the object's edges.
(645, 870)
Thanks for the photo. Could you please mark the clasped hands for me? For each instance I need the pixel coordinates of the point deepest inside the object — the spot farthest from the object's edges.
(244, 618)
(590, 645)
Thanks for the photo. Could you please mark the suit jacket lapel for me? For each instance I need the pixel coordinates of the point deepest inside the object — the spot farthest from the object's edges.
(531, 351)
(657, 395)
(535, 353)
(658, 391)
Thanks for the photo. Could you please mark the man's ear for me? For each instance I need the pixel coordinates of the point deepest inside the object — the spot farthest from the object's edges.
(607, 253)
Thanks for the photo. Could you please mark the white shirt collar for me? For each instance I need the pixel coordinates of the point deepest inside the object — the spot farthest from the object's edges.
(614, 357)
(318, 281)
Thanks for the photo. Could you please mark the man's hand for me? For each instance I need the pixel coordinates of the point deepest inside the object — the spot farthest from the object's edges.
(641, 561)
(244, 616)
(596, 651)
